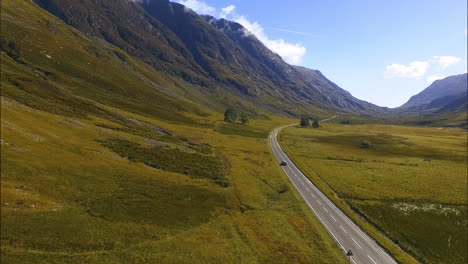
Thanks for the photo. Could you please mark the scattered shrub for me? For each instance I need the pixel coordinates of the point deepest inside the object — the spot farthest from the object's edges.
(244, 118)
(366, 144)
(315, 124)
(305, 122)
(230, 115)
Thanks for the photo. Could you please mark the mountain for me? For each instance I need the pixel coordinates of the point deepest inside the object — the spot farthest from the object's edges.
(449, 86)
(307, 84)
(443, 103)
(215, 57)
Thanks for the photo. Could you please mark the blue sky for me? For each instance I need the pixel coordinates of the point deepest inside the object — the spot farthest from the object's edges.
(382, 51)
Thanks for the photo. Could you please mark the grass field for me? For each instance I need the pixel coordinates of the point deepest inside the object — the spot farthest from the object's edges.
(68, 198)
(409, 182)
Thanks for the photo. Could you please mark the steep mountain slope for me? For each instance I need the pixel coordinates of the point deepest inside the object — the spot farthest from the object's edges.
(306, 84)
(455, 102)
(332, 94)
(222, 57)
(125, 25)
(57, 69)
(443, 103)
(449, 86)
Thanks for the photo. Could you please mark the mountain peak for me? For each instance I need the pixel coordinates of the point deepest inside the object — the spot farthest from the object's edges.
(449, 86)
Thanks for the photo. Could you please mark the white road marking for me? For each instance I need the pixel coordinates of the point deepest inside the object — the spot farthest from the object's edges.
(325, 209)
(344, 229)
(321, 220)
(371, 259)
(356, 242)
(280, 154)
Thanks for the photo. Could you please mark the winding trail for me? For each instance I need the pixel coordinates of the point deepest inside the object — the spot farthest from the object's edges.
(330, 118)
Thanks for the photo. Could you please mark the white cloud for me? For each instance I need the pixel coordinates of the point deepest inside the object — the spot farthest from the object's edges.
(199, 7)
(415, 69)
(430, 79)
(446, 61)
(226, 11)
(291, 53)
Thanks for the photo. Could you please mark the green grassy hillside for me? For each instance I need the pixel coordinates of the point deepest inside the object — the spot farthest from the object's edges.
(409, 182)
(105, 160)
(68, 198)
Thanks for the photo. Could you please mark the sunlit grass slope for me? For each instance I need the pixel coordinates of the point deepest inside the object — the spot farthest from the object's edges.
(411, 183)
(67, 198)
(104, 160)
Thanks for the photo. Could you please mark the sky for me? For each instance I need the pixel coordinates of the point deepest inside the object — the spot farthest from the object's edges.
(381, 51)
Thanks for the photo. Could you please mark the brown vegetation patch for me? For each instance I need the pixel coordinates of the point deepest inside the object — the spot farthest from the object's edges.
(19, 197)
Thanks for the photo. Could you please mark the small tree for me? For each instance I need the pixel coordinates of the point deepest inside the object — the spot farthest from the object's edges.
(366, 144)
(315, 124)
(305, 122)
(244, 118)
(345, 122)
(230, 115)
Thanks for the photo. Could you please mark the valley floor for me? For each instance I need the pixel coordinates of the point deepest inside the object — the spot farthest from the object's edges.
(409, 182)
(83, 191)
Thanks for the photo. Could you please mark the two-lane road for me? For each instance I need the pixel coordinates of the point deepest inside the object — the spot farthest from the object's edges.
(347, 235)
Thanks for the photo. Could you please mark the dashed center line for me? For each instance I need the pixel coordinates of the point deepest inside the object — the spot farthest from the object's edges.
(344, 229)
(325, 209)
(356, 243)
(319, 202)
(333, 217)
(371, 259)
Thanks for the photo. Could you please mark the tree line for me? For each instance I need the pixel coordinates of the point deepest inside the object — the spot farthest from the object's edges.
(305, 122)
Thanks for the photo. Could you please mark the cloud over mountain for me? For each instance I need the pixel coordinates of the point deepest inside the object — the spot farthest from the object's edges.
(418, 69)
(292, 53)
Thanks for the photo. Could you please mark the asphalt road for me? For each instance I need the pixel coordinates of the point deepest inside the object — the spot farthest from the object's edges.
(347, 235)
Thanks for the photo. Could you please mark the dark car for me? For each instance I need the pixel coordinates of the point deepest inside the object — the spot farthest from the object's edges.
(283, 163)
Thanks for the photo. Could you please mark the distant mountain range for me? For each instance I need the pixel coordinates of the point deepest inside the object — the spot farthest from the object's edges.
(443, 103)
(441, 93)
